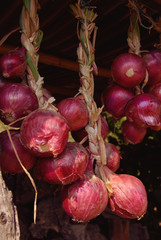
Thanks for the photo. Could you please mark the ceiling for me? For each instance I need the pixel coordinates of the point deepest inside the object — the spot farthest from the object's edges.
(57, 54)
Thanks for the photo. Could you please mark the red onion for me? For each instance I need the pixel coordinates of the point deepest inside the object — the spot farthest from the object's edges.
(128, 70)
(74, 110)
(8, 159)
(44, 132)
(85, 199)
(82, 133)
(144, 110)
(153, 65)
(129, 198)
(113, 156)
(156, 128)
(104, 127)
(13, 63)
(132, 133)
(155, 89)
(66, 168)
(115, 98)
(17, 100)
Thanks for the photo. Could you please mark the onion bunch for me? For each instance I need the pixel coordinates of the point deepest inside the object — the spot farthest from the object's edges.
(135, 94)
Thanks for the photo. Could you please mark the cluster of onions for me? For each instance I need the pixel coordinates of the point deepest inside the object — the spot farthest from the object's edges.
(17, 101)
(134, 93)
(32, 131)
(88, 196)
(40, 140)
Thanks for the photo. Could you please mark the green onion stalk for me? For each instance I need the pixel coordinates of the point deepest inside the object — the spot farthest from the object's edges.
(31, 37)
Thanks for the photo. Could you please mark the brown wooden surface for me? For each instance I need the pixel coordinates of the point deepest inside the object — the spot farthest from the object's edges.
(9, 224)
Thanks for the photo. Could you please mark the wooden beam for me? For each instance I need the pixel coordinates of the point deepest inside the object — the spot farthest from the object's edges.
(58, 62)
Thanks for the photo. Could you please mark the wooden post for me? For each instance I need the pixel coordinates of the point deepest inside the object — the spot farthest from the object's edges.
(9, 224)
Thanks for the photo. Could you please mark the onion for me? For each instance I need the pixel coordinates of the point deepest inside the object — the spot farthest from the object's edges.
(144, 110)
(153, 65)
(66, 168)
(155, 90)
(129, 198)
(13, 63)
(128, 70)
(104, 127)
(85, 199)
(156, 128)
(8, 159)
(132, 133)
(82, 133)
(74, 110)
(44, 132)
(113, 156)
(115, 98)
(16, 101)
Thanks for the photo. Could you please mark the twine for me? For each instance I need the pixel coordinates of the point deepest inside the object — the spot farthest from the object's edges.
(31, 37)
(87, 66)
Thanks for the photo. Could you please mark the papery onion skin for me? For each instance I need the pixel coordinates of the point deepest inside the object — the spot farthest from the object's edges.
(153, 65)
(85, 199)
(44, 132)
(13, 63)
(8, 160)
(17, 100)
(128, 70)
(67, 167)
(144, 110)
(113, 156)
(115, 98)
(74, 110)
(129, 198)
(132, 133)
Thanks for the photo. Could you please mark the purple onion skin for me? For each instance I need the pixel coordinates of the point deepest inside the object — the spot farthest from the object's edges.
(144, 110)
(13, 63)
(17, 100)
(44, 132)
(69, 166)
(74, 110)
(85, 199)
(115, 99)
(128, 70)
(104, 127)
(8, 160)
(113, 156)
(154, 89)
(153, 65)
(129, 197)
(133, 134)
(82, 133)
